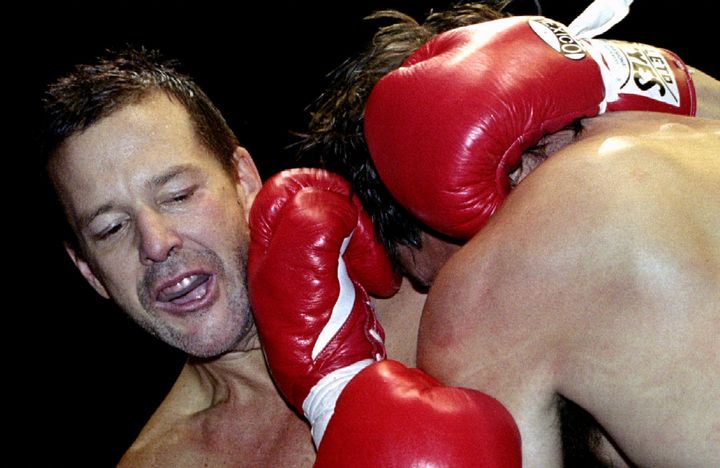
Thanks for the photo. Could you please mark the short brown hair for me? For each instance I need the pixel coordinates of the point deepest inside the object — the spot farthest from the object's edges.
(335, 139)
(89, 92)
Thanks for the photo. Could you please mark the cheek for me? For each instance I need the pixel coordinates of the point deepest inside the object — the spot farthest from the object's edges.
(222, 220)
(119, 275)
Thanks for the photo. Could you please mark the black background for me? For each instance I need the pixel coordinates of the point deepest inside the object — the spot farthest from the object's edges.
(82, 378)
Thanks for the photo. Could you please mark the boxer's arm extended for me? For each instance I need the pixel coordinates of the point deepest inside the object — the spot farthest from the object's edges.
(312, 256)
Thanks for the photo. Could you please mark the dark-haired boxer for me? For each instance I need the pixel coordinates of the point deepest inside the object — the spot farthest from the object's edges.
(567, 301)
(156, 191)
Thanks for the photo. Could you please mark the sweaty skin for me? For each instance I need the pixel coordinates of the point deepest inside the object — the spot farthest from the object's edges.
(597, 281)
(163, 232)
(157, 217)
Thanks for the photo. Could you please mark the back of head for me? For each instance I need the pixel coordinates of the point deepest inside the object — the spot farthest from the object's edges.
(335, 137)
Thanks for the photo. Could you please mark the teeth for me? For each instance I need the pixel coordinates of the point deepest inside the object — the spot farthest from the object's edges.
(180, 285)
(187, 281)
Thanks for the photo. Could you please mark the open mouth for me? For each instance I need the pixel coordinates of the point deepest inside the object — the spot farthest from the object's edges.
(187, 291)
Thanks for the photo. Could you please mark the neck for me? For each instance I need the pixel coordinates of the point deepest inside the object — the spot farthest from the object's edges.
(234, 375)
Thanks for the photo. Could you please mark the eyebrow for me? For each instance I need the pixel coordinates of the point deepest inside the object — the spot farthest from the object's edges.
(85, 220)
(171, 173)
(157, 181)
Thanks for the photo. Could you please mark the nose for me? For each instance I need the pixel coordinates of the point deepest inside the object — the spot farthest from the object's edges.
(158, 237)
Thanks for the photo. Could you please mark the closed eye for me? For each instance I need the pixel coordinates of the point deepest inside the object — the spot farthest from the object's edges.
(109, 232)
(181, 196)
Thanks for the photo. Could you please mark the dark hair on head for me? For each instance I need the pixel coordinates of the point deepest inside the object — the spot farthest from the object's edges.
(89, 92)
(335, 139)
(93, 91)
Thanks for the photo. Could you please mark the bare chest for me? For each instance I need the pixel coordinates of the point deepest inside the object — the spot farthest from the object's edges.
(227, 437)
(257, 441)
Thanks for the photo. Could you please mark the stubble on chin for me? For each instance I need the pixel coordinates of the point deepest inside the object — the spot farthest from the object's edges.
(236, 330)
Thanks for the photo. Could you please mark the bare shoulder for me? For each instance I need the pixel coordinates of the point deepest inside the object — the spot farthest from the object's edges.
(234, 420)
(613, 238)
(166, 438)
(634, 197)
(497, 311)
(494, 292)
(170, 448)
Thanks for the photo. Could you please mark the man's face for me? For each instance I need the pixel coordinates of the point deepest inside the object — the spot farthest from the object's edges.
(163, 227)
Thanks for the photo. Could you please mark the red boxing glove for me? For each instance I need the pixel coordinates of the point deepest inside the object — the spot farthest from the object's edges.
(389, 415)
(321, 339)
(447, 128)
(311, 317)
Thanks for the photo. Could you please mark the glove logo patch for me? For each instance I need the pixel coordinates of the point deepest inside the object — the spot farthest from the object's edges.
(556, 36)
(646, 72)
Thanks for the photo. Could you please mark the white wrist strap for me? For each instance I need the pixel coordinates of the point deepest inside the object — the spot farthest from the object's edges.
(598, 17)
(319, 405)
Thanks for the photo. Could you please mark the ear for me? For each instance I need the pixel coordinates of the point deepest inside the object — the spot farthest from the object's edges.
(85, 270)
(247, 178)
